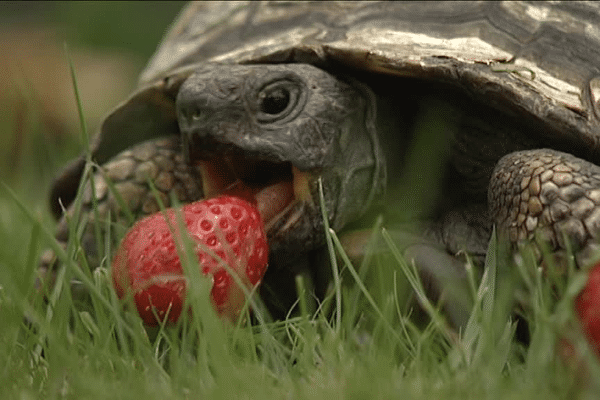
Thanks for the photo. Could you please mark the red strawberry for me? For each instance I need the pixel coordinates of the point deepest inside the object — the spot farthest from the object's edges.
(587, 305)
(147, 262)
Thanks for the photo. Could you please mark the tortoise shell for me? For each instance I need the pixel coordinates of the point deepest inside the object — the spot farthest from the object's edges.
(536, 61)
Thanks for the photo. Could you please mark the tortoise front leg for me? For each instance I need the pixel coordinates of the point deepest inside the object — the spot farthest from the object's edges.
(443, 275)
(547, 193)
(159, 161)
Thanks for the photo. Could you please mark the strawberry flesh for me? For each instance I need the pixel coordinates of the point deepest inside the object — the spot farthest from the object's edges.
(587, 305)
(147, 262)
(230, 175)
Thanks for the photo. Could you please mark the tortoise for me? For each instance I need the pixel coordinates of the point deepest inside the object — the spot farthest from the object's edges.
(278, 95)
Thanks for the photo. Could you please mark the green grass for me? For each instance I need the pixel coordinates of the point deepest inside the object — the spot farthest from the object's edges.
(364, 340)
(372, 349)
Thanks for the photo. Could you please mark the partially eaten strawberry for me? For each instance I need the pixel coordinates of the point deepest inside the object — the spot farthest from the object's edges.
(147, 262)
(587, 306)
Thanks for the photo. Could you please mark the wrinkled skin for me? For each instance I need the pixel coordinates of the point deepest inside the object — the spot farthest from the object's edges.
(277, 128)
(286, 123)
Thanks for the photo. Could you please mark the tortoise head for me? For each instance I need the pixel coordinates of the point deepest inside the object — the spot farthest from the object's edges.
(277, 129)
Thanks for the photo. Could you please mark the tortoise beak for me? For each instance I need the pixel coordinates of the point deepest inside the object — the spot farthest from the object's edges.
(233, 160)
(275, 188)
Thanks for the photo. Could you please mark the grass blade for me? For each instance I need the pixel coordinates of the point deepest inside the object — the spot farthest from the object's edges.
(332, 259)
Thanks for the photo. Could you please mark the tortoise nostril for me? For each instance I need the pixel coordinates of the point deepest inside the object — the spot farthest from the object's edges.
(196, 114)
(191, 116)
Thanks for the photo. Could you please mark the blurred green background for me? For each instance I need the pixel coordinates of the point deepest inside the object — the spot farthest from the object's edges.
(109, 43)
(131, 26)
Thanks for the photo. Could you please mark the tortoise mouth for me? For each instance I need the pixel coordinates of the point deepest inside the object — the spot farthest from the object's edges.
(276, 188)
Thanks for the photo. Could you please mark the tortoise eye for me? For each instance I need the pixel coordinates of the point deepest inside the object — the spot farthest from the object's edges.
(277, 100)
(274, 101)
